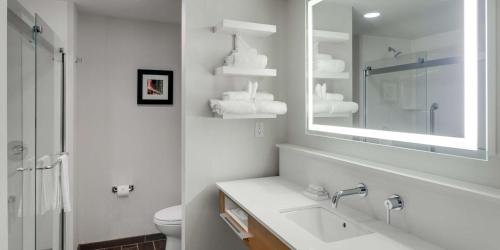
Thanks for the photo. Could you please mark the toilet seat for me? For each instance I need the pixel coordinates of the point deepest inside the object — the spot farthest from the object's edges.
(169, 216)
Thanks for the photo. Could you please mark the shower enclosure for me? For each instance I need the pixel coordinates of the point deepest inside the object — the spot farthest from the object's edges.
(35, 131)
(415, 93)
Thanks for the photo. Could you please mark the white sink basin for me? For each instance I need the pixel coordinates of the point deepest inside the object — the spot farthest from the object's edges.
(324, 224)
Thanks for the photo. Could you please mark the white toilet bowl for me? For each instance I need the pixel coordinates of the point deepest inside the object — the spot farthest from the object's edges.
(169, 222)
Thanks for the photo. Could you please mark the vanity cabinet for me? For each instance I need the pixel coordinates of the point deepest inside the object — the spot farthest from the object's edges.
(249, 230)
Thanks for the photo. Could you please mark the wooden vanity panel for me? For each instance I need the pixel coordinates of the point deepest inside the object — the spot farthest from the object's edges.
(261, 238)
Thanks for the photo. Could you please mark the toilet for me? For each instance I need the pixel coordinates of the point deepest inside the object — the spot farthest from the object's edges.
(169, 222)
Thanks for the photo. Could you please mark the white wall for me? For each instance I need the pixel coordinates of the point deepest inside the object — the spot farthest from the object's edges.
(3, 127)
(217, 150)
(118, 141)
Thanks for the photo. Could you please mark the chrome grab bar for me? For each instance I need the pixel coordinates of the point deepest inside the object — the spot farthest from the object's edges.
(432, 121)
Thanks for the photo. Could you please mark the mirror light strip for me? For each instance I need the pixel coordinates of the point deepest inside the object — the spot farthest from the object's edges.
(470, 140)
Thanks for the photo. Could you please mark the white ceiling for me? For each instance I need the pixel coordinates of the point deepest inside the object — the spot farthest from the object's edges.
(407, 19)
(167, 11)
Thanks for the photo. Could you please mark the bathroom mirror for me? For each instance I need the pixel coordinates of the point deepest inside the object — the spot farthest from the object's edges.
(402, 73)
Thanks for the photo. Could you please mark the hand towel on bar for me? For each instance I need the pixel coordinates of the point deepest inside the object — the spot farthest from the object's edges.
(232, 107)
(64, 197)
(271, 107)
(46, 184)
(344, 107)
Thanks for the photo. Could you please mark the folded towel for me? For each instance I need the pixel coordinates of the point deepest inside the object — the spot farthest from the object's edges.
(252, 88)
(47, 179)
(322, 106)
(329, 66)
(246, 59)
(263, 96)
(271, 107)
(334, 97)
(64, 192)
(236, 96)
(245, 96)
(320, 56)
(232, 107)
(344, 107)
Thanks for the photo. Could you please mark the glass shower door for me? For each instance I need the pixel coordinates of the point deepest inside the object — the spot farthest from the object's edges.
(21, 125)
(49, 66)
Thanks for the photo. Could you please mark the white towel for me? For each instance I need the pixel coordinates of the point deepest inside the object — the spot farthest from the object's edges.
(329, 66)
(263, 96)
(271, 107)
(252, 89)
(46, 184)
(245, 96)
(63, 192)
(232, 107)
(320, 56)
(322, 106)
(334, 97)
(344, 107)
(236, 96)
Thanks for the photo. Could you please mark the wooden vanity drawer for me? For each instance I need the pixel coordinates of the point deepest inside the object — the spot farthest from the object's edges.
(255, 236)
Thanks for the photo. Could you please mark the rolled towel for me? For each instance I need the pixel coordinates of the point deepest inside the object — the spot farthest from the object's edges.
(246, 59)
(330, 66)
(334, 97)
(263, 96)
(271, 107)
(318, 91)
(236, 96)
(245, 96)
(232, 107)
(344, 107)
(320, 56)
(322, 106)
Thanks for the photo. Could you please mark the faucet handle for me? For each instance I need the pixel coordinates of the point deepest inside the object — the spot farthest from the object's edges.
(394, 202)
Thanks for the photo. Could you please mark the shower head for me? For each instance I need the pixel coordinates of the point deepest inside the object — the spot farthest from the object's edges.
(395, 51)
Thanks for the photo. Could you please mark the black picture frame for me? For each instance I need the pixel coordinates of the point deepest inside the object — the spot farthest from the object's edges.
(143, 100)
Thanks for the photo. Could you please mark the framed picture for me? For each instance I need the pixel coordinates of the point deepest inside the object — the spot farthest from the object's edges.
(155, 87)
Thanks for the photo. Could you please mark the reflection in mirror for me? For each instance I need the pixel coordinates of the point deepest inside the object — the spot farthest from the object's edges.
(392, 65)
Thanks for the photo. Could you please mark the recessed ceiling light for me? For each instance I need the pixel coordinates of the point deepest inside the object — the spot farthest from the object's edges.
(372, 14)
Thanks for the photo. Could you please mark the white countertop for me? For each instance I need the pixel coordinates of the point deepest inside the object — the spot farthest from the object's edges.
(266, 198)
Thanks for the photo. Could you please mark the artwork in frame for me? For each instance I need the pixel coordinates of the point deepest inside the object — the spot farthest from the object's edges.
(155, 87)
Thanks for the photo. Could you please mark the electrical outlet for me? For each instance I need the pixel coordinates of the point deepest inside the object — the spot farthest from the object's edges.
(259, 129)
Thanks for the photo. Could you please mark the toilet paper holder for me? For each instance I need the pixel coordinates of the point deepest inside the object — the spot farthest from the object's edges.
(114, 189)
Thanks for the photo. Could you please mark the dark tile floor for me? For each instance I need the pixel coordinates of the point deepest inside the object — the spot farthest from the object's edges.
(147, 242)
(150, 245)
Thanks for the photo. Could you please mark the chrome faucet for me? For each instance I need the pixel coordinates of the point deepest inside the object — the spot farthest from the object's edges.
(360, 190)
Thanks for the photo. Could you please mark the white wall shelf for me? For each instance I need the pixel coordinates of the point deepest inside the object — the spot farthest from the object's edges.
(234, 27)
(245, 116)
(342, 75)
(233, 71)
(330, 36)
